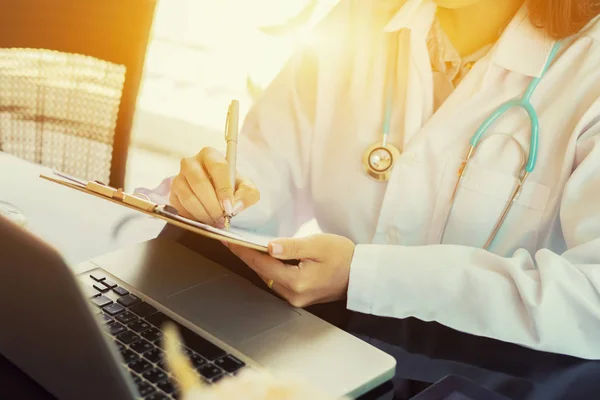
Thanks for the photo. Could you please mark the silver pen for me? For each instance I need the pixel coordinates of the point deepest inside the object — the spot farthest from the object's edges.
(231, 138)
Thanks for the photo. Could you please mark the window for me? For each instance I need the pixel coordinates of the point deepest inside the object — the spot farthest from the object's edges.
(202, 54)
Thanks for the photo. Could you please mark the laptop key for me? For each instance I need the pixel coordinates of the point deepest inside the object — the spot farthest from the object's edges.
(126, 317)
(113, 309)
(100, 288)
(209, 371)
(155, 355)
(229, 363)
(152, 334)
(166, 386)
(114, 328)
(120, 291)
(141, 346)
(97, 277)
(200, 345)
(136, 379)
(162, 365)
(101, 301)
(191, 339)
(139, 326)
(144, 388)
(142, 309)
(159, 319)
(140, 365)
(129, 300)
(105, 319)
(128, 355)
(154, 375)
(108, 283)
(128, 337)
(197, 361)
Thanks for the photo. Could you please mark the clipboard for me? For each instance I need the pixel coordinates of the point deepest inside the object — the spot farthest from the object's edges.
(167, 213)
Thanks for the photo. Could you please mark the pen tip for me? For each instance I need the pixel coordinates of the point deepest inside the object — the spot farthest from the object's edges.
(227, 223)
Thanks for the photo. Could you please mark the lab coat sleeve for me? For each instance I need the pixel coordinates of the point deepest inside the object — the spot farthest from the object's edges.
(275, 140)
(274, 150)
(277, 137)
(275, 147)
(545, 301)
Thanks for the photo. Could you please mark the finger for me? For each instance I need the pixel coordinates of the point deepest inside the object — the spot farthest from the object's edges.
(246, 195)
(188, 200)
(217, 169)
(265, 265)
(298, 300)
(199, 181)
(174, 201)
(309, 247)
(279, 289)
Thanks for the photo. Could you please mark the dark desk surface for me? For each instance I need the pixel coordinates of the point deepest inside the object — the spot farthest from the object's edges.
(426, 352)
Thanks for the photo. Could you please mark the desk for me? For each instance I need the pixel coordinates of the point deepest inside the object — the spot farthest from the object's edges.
(82, 227)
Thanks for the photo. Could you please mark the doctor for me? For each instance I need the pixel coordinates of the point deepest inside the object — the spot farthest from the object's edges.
(367, 129)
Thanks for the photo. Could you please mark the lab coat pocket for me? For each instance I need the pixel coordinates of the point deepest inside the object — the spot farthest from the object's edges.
(478, 205)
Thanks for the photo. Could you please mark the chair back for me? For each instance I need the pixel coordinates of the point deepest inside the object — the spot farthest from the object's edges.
(69, 79)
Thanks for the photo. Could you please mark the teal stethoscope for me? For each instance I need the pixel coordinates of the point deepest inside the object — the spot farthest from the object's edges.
(378, 159)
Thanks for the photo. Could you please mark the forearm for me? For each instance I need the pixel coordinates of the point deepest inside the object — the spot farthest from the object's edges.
(546, 302)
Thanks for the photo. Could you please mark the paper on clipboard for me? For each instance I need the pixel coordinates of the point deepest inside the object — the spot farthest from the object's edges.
(239, 236)
(233, 233)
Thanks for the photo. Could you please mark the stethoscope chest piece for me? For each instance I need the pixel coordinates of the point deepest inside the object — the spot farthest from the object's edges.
(378, 160)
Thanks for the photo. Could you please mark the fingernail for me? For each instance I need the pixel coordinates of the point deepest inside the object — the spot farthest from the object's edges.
(227, 207)
(239, 206)
(276, 248)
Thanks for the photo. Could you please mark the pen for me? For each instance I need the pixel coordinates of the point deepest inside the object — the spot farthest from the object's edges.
(231, 138)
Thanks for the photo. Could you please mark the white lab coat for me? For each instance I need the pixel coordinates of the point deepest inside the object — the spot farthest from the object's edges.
(302, 144)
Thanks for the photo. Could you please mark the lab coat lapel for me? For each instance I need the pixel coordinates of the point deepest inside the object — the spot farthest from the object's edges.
(414, 82)
(414, 76)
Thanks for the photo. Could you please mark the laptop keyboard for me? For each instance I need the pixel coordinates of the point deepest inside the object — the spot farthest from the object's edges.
(134, 326)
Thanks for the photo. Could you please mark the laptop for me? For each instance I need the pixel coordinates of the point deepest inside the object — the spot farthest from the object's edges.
(97, 334)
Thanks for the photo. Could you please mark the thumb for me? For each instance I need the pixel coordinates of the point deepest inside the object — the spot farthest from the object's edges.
(292, 248)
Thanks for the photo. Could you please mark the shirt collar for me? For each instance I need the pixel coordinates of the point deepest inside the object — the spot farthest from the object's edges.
(522, 47)
(414, 15)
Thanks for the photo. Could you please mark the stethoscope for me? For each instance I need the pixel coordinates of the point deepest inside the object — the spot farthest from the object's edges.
(379, 158)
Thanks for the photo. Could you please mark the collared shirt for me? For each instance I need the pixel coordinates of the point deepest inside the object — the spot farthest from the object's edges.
(303, 142)
(448, 66)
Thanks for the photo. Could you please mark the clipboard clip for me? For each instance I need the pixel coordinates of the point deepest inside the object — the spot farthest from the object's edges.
(136, 200)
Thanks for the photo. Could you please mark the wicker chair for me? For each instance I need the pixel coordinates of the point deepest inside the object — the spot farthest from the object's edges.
(69, 79)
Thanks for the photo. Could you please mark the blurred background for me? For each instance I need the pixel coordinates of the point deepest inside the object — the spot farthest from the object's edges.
(202, 54)
(120, 91)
